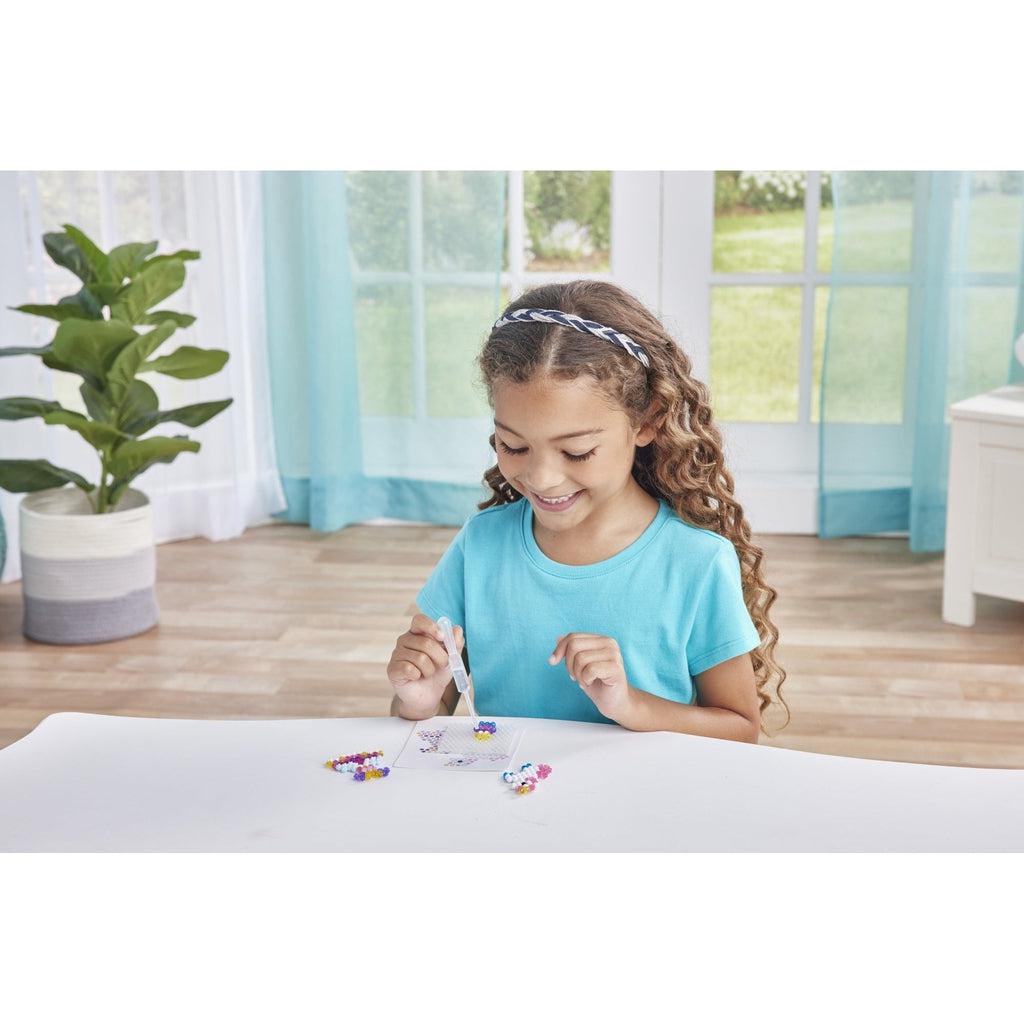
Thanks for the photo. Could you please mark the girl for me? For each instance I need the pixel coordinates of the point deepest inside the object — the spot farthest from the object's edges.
(610, 577)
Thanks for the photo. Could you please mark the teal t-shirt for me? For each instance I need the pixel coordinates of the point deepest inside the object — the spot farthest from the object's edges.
(672, 600)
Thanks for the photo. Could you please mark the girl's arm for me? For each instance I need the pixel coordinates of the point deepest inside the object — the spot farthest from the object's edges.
(728, 707)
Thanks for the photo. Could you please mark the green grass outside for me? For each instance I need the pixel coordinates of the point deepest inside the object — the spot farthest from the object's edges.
(755, 329)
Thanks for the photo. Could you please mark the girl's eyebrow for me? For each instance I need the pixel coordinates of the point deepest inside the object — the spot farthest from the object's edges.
(562, 437)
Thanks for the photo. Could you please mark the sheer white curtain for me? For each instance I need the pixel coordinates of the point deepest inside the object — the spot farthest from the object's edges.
(232, 483)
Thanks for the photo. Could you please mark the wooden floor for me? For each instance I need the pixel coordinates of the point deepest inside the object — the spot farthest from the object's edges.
(284, 622)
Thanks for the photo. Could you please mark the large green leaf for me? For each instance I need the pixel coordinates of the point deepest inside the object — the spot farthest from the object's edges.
(139, 402)
(97, 259)
(90, 346)
(123, 369)
(96, 401)
(18, 408)
(181, 254)
(152, 285)
(65, 253)
(83, 304)
(133, 457)
(127, 260)
(188, 363)
(103, 292)
(99, 435)
(144, 454)
(54, 363)
(159, 315)
(23, 475)
(189, 415)
(59, 312)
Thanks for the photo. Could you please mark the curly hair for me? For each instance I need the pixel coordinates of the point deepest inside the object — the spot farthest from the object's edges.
(684, 464)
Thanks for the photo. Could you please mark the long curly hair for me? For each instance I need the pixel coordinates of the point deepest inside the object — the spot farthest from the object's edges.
(684, 464)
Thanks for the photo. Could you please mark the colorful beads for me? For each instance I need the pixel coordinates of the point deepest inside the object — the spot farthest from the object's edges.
(484, 730)
(525, 780)
(362, 766)
(432, 737)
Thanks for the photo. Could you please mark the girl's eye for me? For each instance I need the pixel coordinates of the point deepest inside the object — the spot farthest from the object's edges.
(573, 458)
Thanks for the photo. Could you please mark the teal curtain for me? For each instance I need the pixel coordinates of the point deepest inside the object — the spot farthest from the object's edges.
(926, 298)
(381, 287)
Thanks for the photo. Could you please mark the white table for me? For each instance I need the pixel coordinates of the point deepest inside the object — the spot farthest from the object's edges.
(93, 782)
(985, 507)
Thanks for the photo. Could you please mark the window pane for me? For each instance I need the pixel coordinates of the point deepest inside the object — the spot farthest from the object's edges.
(759, 221)
(755, 341)
(384, 333)
(992, 223)
(462, 220)
(568, 220)
(877, 221)
(864, 375)
(457, 322)
(982, 325)
(378, 219)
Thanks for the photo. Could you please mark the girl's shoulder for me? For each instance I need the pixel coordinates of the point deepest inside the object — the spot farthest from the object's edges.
(706, 545)
(497, 518)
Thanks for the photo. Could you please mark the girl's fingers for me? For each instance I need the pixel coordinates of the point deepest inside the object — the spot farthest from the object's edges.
(580, 647)
(569, 643)
(404, 672)
(597, 669)
(556, 654)
(424, 626)
(431, 648)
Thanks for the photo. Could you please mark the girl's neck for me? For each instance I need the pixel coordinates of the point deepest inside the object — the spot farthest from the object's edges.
(603, 534)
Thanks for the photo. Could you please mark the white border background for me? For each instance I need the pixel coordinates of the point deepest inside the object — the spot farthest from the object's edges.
(637, 86)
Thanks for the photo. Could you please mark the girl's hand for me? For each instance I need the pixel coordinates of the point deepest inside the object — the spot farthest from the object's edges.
(595, 662)
(418, 669)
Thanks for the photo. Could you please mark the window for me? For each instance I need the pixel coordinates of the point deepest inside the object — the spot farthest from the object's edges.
(427, 289)
(771, 247)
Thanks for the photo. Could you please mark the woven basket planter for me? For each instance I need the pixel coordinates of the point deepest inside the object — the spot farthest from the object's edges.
(86, 578)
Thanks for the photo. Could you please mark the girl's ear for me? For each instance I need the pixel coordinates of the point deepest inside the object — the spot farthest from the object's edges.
(649, 431)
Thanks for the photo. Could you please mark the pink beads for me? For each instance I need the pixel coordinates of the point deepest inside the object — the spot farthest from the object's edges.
(525, 780)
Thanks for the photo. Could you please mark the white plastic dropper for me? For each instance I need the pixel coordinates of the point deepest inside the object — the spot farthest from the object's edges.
(455, 662)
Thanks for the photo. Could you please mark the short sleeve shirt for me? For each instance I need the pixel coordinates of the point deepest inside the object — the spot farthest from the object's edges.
(672, 600)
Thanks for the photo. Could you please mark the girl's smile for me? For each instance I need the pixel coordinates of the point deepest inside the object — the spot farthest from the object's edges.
(570, 454)
(556, 505)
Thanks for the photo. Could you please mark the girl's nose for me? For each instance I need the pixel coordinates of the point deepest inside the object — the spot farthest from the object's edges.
(545, 474)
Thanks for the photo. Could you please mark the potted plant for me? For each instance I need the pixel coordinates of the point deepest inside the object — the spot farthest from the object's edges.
(88, 555)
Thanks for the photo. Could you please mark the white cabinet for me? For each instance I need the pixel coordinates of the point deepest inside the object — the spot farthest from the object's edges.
(985, 511)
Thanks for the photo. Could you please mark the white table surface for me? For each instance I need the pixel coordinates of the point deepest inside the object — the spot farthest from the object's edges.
(96, 782)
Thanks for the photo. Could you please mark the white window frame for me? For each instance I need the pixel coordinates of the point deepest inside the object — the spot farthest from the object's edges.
(392, 444)
(774, 465)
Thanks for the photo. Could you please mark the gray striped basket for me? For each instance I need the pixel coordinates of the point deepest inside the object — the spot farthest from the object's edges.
(86, 578)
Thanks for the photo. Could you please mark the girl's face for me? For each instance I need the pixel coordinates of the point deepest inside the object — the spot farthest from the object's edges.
(561, 440)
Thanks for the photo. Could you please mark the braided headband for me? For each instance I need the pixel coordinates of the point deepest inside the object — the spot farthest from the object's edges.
(577, 323)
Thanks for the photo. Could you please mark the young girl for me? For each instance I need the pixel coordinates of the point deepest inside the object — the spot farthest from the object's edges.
(610, 576)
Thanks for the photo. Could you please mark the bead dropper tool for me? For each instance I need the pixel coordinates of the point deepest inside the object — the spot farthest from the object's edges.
(455, 662)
